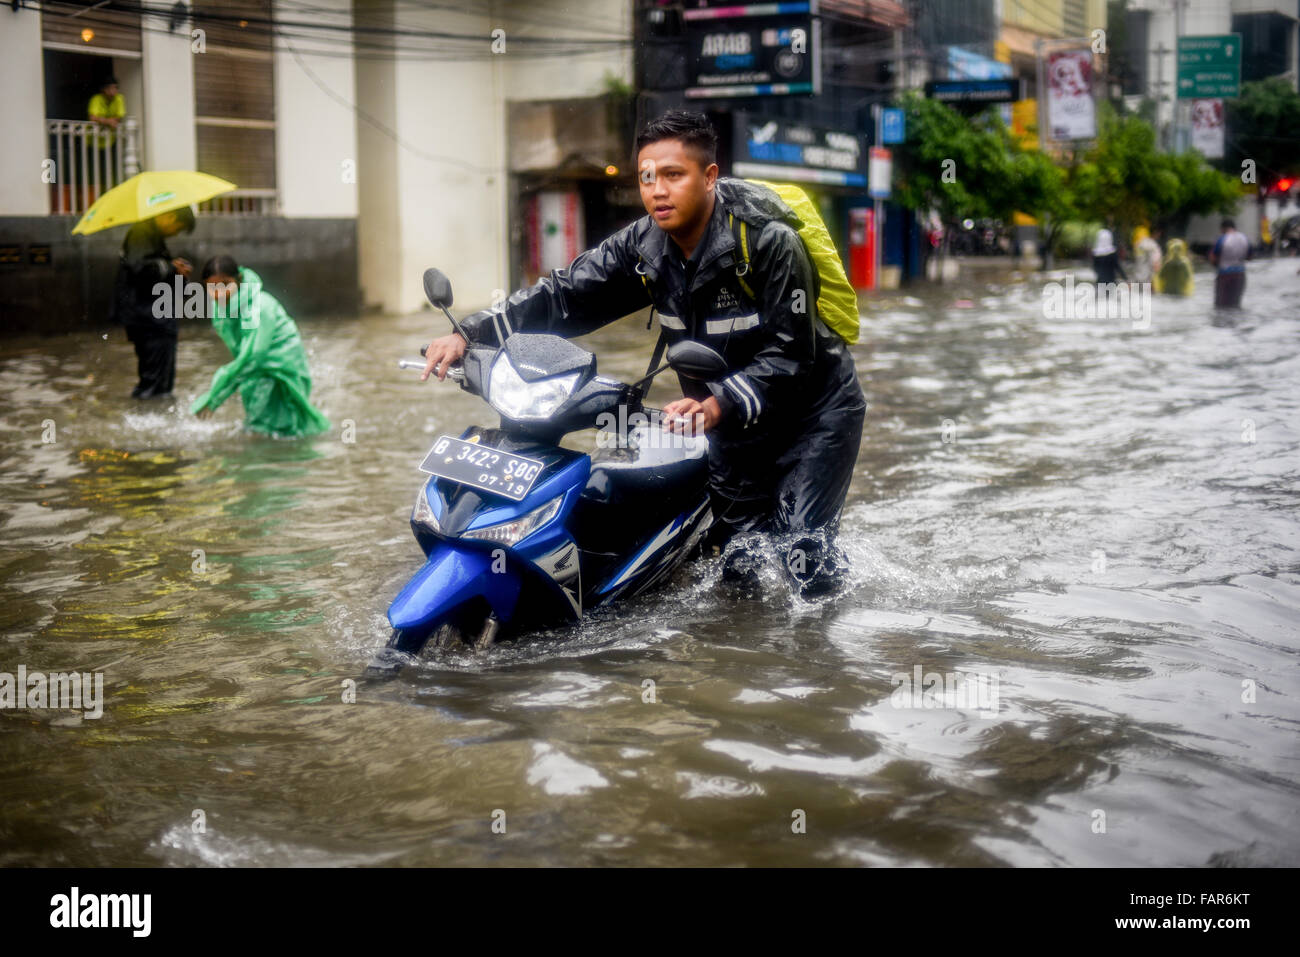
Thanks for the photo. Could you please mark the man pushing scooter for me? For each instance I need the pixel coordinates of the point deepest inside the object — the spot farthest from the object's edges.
(725, 262)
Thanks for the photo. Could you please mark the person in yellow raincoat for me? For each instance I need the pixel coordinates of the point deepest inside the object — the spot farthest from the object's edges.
(1175, 275)
(1146, 256)
(270, 364)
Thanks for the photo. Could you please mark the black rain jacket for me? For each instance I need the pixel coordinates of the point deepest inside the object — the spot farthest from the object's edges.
(786, 369)
(144, 263)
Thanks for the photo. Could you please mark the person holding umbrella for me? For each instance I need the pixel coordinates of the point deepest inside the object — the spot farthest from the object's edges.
(159, 204)
(145, 263)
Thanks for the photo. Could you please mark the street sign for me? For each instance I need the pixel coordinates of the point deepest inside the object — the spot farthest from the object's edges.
(880, 171)
(973, 91)
(1209, 67)
(891, 125)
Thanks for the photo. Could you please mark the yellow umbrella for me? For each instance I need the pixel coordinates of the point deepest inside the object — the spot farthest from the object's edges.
(145, 195)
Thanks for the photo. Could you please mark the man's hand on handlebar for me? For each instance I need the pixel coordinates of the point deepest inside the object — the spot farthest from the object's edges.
(441, 353)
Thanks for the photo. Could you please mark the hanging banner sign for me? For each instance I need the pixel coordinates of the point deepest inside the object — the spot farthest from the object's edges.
(1071, 112)
(1207, 127)
(880, 172)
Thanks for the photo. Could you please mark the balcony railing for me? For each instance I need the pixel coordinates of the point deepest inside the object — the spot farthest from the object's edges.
(83, 170)
(243, 202)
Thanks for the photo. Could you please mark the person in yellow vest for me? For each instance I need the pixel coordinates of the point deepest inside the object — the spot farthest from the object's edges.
(107, 109)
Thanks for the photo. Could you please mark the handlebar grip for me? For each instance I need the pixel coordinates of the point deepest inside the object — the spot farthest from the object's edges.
(423, 350)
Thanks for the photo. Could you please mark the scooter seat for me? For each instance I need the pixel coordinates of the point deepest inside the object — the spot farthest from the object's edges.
(636, 492)
(611, 481)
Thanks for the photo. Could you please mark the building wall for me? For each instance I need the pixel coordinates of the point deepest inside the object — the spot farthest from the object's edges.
(434, 193)
(580, 74)
(378, 206)
(1044, 17)
(167, 113)
(308, 264)
(22, 112)
(315, 124)
(450, 180)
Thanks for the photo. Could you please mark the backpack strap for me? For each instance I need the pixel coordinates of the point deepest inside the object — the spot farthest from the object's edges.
(640, 389)
(742, 243)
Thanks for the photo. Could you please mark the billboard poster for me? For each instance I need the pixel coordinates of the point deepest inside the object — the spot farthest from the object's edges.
(772, 148)
(1071, 113)
(752, 56)
(1207, 127)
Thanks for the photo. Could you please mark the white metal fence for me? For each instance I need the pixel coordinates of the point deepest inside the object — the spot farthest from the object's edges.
(243, 202)
(89, 160)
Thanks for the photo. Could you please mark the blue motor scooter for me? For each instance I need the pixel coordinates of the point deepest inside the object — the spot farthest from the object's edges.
(521, 534)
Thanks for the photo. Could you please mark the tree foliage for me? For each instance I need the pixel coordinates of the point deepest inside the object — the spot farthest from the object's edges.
(1120, 178)
(1264, 125)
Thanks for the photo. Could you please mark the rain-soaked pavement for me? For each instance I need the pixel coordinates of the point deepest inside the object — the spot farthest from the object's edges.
(1087, 530)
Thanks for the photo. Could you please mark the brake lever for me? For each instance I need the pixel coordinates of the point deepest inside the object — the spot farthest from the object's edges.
(455, 372)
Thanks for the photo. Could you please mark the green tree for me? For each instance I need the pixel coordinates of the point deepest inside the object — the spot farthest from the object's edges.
(1263, 124)
(1124, 180)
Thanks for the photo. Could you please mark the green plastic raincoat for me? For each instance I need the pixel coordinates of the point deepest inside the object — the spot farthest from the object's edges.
(270, 364)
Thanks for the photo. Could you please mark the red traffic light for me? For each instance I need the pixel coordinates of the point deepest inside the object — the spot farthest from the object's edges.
(1284, 185)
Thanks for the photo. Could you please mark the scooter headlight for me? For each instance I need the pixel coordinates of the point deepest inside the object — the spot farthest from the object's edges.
(422, 514)
(519, 400)
(517, 529)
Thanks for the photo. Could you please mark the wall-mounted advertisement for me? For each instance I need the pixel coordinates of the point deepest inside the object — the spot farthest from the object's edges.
(769, 148)
(745, 50)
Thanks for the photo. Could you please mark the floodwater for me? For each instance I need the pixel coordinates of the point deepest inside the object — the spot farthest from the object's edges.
(1087, 531)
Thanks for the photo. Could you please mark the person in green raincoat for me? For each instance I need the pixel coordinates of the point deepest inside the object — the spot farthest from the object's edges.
(270, 364)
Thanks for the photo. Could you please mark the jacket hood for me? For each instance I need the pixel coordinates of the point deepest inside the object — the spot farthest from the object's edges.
(754, 203)
(250, 287)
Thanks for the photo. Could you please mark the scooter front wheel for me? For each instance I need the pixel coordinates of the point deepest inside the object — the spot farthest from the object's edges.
(403, 649)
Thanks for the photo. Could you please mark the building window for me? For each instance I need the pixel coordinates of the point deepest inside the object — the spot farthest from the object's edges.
(234, 92)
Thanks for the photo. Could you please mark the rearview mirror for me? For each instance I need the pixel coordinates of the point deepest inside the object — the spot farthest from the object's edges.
(437, 288)
(696, 360)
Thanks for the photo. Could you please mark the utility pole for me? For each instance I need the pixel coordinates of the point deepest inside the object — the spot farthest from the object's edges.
(1162, 124)
(1180, 131)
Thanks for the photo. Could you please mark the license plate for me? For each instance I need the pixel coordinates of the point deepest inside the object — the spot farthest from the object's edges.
(482, 467)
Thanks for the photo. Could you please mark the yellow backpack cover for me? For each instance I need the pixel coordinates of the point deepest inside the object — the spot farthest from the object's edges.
(837, 300)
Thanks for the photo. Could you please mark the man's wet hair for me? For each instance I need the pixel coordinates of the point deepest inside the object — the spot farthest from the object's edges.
(184, 216)
(693, 129)
(220, 266)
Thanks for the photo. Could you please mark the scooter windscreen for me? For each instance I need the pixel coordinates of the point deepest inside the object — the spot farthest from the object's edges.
(542, 381)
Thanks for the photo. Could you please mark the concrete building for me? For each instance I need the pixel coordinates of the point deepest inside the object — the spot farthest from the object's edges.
(1268, 31)
(370, 139)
